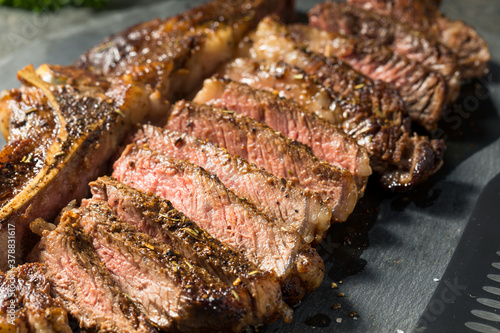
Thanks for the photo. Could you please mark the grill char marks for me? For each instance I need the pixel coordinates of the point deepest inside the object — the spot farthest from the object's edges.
(266, 148)
(157, 218)
(176, 294)
(383, 30)
(173, 55)
(402, 161)
(226, 217)
(326, 141)
(85, 288)
(27, 288)
(423, 93)
(280, 201)
(472, 51)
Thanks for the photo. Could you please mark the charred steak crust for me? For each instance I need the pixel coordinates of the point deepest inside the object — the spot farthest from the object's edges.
(424, 92)
(282, 202)
(27, 288)
(327, 141)
(160, 220)
(383, 30)
(86, 289)
(204, 199)
(472, 51)
(264, 147)
(175, 293)
(163, 52)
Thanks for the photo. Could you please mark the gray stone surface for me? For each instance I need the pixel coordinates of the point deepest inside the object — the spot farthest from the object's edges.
(389, 253)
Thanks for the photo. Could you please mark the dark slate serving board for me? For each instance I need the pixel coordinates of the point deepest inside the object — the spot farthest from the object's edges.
(395, 247)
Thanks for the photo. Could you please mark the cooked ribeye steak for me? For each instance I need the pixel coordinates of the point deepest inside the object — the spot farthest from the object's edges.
(472, 51)
(235, 222)
(423, 92)
(64, 125)
(172, 56)
(157, 217)
(402, 161)
(383, 30)
(174, 292)
(326, 141)
(86, 289)
(268, 149)
(26, 304)
(285, 204)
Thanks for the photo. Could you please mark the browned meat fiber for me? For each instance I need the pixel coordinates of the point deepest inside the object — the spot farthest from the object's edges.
(279, 200)
(472, 51)
(86, 289)
(353, 21)
(26, 304)
(326, 141)
(267, 149)
(403, 161)
(235, 222)
(157, 218)
(175, 293)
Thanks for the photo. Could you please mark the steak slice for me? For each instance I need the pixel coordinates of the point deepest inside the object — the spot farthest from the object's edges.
(86, 289)
(326, 141)
(61, 121)
(175, 293)
(235, 222)
(156, 217)
(26, 304)
(471, 49)
(383, 30)
(267, 149)
(279, 200)
(423, 93)
(174, 55)
(403, 161)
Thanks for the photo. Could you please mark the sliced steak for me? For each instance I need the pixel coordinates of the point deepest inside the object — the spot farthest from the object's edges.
(175, 293)
(402, 161)
(26, 304)
(383, 30)
(203, 198)
(86, 289)
(422, 92)
(156, 217)
(326, 141)
(366, 95)
(279, 200)
(173, 55)
(267, 149)
(471, 49)
(61, 121)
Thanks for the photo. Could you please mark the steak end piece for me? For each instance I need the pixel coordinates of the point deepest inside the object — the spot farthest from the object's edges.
(471, 49)
(355, 22)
